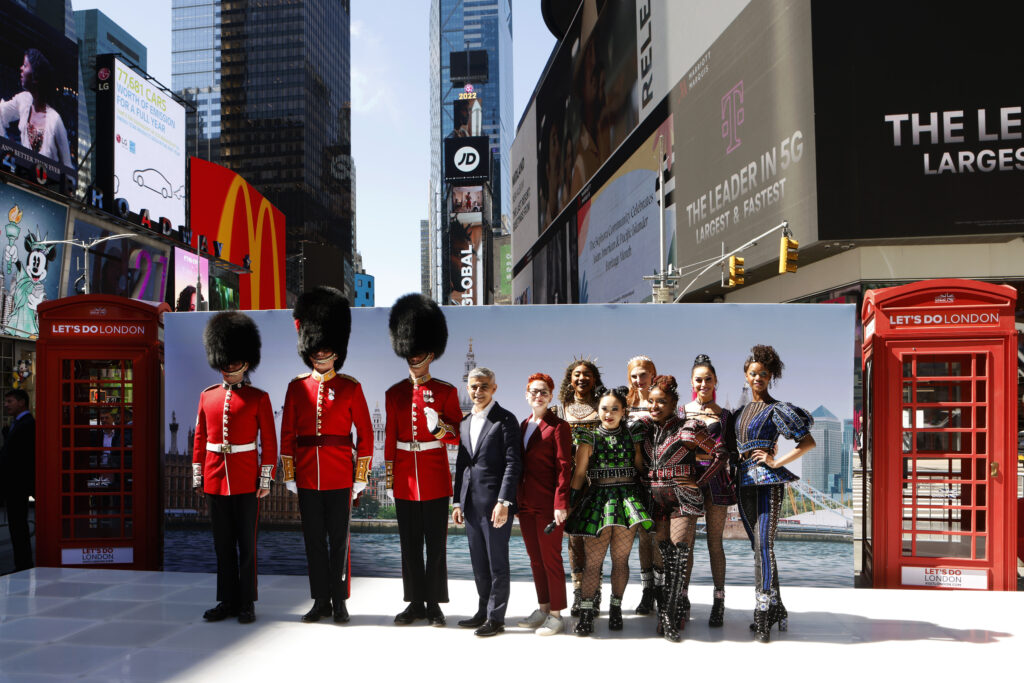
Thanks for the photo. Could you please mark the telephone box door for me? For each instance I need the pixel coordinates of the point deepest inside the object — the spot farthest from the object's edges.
(946, 486)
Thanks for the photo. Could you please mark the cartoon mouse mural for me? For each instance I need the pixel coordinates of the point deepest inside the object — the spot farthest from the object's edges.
(28, 290)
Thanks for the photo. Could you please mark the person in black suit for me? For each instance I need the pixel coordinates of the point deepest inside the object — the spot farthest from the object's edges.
(486, 477)
(18, 463)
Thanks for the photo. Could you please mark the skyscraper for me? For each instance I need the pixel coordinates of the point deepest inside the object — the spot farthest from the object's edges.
(822, 467)
(97, 35)
(271, 82)
(469, 28)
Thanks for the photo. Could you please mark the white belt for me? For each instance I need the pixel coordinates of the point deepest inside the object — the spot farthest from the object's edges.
(418, 445)
(231, 447)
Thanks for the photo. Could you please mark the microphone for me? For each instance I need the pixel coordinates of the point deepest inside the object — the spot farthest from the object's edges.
(550, 527)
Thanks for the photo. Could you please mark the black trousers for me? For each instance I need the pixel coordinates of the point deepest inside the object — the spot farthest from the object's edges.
(325, 517)
(17, 523)
(423, 522)
(234, 539)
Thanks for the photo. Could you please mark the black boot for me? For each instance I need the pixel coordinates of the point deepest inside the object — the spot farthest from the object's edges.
(659, 586)
(340, 612)
(320, 609)
(762, 625)
(647, 598)
(577, 592)
(668, 624)
(682, 606)
(585, 624)
(717, 617)
(615, 613)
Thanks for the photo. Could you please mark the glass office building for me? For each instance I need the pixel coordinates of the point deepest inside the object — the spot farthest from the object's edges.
(271, 84)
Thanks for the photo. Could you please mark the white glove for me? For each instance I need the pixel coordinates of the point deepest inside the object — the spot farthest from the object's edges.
(431, 416)
(357, 488)
(290, 485)
(391, 494)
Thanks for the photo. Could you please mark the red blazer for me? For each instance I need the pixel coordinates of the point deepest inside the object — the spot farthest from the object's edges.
(425, 474)
(240, 414)
(330, 407)
(547, 466)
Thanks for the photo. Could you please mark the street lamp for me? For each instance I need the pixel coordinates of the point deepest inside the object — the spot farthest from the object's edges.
(85, 245)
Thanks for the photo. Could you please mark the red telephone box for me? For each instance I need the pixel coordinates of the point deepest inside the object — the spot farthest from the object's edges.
(98, 433)
(940, 453)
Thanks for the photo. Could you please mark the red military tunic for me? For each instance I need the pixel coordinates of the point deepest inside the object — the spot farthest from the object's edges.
(328, 405)
(420, 474)
(234, 415)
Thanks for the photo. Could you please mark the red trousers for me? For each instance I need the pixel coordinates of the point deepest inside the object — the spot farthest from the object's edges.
(545, 551)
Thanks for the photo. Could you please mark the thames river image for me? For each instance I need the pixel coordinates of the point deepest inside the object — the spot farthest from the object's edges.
(801, 563)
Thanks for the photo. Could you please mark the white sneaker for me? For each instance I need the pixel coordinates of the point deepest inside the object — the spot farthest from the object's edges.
(534, 620)
(552, 625)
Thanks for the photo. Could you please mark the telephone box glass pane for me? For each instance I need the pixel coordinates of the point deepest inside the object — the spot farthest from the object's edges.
(98, 527)
(942, 545)
(942, 392)
(942, 366)
(943, 442)
(980, 547)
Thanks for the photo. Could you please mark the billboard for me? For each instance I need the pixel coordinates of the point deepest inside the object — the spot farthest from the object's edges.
(936, 150)
(132, 266)
(817, 374)
(739, 146)
(466, 236)
(467, 114)
(140, 141)
(467, 159)
(38, 98)
(29, 270)
(228, 211)
(191, 281)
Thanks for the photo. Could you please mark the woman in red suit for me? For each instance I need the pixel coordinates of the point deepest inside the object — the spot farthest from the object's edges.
(543, 502)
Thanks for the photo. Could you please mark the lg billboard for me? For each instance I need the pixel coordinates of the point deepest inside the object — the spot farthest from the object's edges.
(140, 142)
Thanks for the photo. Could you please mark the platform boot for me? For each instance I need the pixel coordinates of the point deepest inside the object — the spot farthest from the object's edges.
(717, 617)
(683, 599)
(668, 624)
(577, 592)
(762, 625)
(647, 598)
(615, 613)
(585, 624)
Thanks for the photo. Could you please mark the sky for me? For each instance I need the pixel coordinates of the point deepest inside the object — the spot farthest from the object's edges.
(390, 115)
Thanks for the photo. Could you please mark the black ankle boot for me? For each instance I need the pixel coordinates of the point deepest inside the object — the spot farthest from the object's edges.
(615, 613)
(646, 601)
(762, 626)
(585, 624)
(717, 617)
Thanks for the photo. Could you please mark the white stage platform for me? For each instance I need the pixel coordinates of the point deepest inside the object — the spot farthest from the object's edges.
(96, 625)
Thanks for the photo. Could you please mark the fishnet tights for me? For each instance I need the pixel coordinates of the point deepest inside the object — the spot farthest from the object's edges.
(621, 541)
(577, 554)
(650, 554)
(714, 516)
(677, 529)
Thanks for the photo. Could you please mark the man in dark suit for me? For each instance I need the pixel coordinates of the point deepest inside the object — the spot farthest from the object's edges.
(486, 477)
(18, 463)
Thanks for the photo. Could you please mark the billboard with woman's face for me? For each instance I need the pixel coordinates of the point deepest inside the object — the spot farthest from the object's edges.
(38, 97)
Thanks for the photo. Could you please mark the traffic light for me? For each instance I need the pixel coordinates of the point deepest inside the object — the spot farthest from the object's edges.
(788, 254)
(735, 270)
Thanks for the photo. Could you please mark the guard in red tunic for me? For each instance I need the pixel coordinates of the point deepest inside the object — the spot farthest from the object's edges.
(423, 416)
(226, 464)
(320, 459)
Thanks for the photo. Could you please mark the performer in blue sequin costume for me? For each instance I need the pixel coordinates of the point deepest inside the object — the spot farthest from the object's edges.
(762, 477)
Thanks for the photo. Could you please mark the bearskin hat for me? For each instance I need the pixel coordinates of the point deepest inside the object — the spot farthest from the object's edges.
(324, 321)
(231, 337)
(417, 326)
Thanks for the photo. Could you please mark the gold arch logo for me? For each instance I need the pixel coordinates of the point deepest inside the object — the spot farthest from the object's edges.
(254, 229)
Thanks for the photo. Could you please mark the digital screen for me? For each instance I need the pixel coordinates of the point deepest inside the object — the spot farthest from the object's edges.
(191, 288)
(38, 94)
(127, 266)
(149, 145)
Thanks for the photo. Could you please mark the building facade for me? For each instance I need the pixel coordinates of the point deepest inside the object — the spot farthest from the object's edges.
(364, 290)
(271, 83)
(822, 468)
(463, 31)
